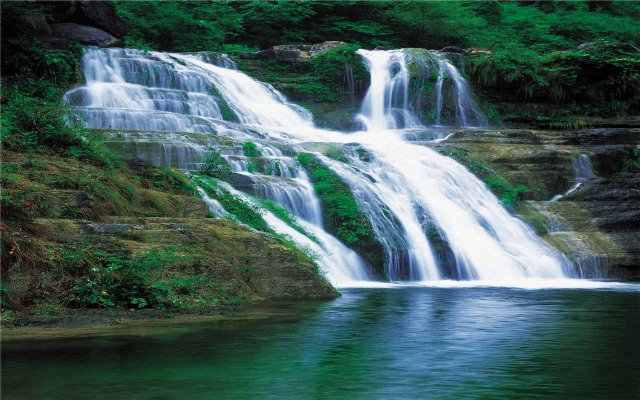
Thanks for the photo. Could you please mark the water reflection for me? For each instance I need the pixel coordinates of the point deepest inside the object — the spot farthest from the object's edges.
(369, 344)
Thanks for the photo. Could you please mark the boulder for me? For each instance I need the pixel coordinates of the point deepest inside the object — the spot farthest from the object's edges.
(62, 35)
(626, 47)
(98, 14)
(325, 46)
(452, 49)
(101, 15)
(291, 53)
(475, 51)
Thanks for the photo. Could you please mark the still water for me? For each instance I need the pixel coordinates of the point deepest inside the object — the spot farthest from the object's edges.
(402, 343)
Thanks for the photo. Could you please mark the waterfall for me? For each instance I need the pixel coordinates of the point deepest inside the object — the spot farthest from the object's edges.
(412, 195)
(486, 241)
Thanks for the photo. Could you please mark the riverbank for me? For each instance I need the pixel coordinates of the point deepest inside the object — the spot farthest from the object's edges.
(81, 322)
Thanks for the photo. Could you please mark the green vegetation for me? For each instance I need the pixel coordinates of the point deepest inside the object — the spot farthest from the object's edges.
(116, 281)
(179, 25)
(342, 215)
(531, 67)
(509, 195)
(286, 216)
(296, 80)
(225, 109)
(250, 214)
(329, 67)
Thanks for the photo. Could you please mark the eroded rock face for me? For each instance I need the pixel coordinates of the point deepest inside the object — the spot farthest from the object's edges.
(64, 34)
(452, 49)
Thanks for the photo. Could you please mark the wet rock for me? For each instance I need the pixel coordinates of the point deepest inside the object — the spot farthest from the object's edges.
(101, 15)
(240, 181)
(613, 204)
(605, 136)
(291, 53)
(64, 34)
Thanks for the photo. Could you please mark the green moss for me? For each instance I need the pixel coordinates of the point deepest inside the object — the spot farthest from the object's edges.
(633, 162)
(351, 224)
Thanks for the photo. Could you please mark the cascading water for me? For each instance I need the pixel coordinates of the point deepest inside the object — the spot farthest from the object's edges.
(409, 191)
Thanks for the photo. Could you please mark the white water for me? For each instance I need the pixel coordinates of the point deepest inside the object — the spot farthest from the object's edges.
(405, 188)
(487, 242)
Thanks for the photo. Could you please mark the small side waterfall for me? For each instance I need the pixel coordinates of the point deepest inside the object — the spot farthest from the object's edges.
(583, 172)
(414, 197)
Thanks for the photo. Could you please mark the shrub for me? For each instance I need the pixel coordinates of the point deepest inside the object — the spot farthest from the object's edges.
(33, 124)
(115, 281)
(250, 149)
(215, 165)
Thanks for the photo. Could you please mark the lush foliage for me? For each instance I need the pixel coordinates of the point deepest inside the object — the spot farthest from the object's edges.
(604, 75)
(34, 79)
(539, 26)
(179, 25)
(238, 208)
(329, 67)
